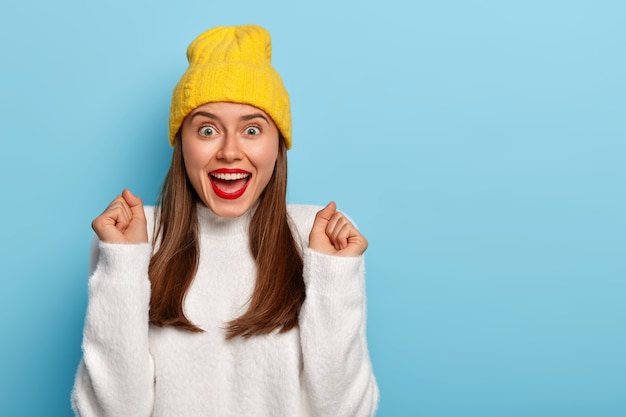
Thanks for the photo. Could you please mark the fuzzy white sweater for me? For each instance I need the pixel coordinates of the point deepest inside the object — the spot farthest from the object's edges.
(131, 368)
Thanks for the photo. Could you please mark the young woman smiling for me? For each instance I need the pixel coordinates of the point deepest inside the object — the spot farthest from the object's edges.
(222, 300)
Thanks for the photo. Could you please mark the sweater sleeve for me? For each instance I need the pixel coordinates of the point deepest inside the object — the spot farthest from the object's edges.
(116, 374)
(337, 371)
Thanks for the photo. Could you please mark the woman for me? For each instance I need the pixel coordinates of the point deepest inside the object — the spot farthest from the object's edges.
(223, 301)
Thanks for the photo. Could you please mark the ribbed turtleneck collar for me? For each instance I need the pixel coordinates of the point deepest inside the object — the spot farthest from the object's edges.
(213, 225)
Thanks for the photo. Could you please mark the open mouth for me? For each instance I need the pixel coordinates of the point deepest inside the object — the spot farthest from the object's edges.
(229, 183)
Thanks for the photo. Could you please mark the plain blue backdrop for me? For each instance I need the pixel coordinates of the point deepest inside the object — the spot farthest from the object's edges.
(479, 145)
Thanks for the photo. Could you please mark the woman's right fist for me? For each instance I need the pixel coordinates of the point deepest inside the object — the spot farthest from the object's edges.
(123, 221)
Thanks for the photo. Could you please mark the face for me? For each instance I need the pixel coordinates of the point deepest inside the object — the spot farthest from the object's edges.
(229, 150)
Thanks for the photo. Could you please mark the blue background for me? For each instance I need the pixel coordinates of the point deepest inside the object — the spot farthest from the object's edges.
(479, 145)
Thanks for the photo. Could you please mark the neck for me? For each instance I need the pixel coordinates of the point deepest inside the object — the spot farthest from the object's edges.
(214, 225)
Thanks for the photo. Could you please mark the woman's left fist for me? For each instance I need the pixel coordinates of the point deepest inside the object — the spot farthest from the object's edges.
(333, 234)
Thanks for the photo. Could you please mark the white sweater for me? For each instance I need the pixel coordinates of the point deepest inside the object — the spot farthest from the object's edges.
(132, 368)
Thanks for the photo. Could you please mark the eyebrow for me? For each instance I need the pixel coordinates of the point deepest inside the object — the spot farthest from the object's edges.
(244, 117)
(205, 114)
(254, 116)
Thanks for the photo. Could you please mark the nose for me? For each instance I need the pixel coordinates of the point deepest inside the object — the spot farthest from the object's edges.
(229, 149)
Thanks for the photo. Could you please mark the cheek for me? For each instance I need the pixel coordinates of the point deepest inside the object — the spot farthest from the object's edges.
(190, 163)
(267, 161)
(193, 157)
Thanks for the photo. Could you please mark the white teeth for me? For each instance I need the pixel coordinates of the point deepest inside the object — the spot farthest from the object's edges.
(230, 177)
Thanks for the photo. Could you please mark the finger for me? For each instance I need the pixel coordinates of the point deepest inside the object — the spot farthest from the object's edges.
(117, 215)
(339, 231)
(119, 204)
(134, 204)
(110, 224)
(343, 235)
(327, 212)
(331, 231)
(119, 212)
(137, 227)
(336, 222)
(323, 216)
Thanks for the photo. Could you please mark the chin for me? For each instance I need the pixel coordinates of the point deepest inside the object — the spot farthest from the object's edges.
(228, 210)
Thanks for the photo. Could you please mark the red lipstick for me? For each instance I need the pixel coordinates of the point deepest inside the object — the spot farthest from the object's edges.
(229, 183)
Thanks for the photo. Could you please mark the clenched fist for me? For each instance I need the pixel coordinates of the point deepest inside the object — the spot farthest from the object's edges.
(333, 234)
(123, 221)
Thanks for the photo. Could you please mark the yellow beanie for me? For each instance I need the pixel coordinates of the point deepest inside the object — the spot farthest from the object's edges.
(232, 64)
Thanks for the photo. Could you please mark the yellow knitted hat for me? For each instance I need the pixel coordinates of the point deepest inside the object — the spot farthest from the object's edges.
(233, 64)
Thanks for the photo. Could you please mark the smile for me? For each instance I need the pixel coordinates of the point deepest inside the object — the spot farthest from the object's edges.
(229, 183)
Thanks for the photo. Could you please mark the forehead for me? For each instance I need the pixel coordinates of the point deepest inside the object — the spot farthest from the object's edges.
(228, 110)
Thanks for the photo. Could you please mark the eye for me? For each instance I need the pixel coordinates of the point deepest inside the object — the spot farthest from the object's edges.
(206, 131)
(253, 131)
